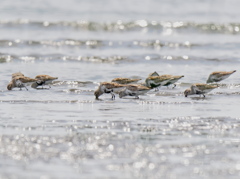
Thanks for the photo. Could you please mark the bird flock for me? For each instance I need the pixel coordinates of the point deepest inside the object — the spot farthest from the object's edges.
(20, 81)
(126, 86)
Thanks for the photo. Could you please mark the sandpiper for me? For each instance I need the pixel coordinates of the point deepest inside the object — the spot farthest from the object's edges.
(43, 80)
(134, 90)
(18, 82)
(157, 81)
(219, 76)
(173, 79)
(199, 88)
(125, 80)
(108, 87)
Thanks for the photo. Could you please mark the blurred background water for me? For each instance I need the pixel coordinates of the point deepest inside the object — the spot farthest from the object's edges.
(65, 133)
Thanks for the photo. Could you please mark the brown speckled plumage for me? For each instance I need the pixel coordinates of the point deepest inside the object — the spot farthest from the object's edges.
(156, 81)
(199, 88)
(17, 74)
(172, 79)
(219, 76)
(45, 77)
(18, 82)
(134, 90)
(125, 80)
(108, 87)
(43, 80)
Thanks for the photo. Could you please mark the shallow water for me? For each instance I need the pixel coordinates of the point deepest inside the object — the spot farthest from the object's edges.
(64, 132)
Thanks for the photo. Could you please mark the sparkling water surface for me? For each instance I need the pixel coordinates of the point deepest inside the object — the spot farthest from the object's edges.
(64, 132)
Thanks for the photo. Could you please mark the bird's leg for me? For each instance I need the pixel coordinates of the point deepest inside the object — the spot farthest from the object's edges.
(113, 95)
(203, 95)
(25, 87)
(48, 86)
(174, 85)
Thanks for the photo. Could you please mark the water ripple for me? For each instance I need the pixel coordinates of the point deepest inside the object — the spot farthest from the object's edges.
(138, 25)
(5, 58)
(92, 44)
(144, 143)
(45, 101)
(164, 102)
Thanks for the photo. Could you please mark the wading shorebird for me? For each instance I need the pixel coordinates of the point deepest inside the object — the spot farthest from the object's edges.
(157, 81)
(43, 80)
(219, 76)
(134, 90)
(173, 79)
(199, 88)
(108, 87)
(19, 82)
(125, 80)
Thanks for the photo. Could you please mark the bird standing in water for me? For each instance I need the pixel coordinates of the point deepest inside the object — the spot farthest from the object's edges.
(199, 88)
